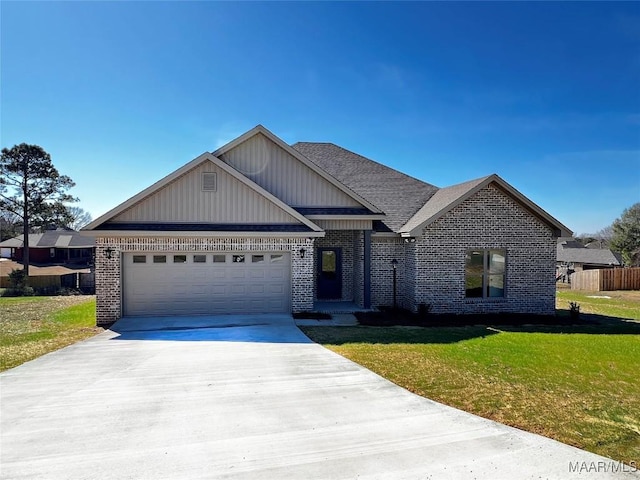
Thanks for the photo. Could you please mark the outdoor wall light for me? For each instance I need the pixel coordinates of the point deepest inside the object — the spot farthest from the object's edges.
(109, 252)
(302, 252)
(394, 263)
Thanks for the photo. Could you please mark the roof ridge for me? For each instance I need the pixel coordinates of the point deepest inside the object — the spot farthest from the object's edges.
(367, 159)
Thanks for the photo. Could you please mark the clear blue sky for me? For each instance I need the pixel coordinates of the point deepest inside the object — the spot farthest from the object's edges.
(547, 95)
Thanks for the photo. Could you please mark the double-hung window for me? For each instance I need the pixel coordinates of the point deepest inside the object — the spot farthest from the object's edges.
(485, 271)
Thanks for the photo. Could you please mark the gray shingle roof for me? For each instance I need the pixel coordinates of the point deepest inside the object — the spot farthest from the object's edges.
(569, 252)
(52, 238)
(398, 195)
(442, 200)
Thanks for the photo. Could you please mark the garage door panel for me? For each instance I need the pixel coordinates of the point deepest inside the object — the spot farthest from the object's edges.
(278, 273)
(218, 289)
(253, 283)
(199, 289)
(237, 289)
(237, 273)
(218, 273)
(256, 289)
(257, 273)
(275, 289)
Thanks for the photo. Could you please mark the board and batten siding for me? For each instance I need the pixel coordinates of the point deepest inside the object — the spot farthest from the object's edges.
(283, 175)
(183, 200)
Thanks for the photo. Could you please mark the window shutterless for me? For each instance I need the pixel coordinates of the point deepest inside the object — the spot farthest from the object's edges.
(485, 271)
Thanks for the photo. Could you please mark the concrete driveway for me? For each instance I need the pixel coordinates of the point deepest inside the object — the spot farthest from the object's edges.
(246, 397)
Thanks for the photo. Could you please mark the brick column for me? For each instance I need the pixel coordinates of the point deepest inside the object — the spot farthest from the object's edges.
(108, 304)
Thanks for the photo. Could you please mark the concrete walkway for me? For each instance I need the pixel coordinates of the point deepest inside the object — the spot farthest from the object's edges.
(246, 397)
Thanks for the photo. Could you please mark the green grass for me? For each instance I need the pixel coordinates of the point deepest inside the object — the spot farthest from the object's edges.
(622, 304)
(577, 384)
(33, 326)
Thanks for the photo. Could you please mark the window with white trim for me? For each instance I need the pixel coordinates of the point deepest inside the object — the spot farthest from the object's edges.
(485, 272)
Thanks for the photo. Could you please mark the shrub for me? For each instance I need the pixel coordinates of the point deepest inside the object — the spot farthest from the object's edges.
(574, 310)
(13, 292)
(18, 285)
(424, 309)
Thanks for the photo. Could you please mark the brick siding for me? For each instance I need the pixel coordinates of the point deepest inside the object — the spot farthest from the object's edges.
(345, 240)
(429, 271)
(489, 219)
(383, 251)
(108, 270)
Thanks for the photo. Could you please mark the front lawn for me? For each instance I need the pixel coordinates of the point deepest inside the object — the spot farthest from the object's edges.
(577, 384)
(620, 304)
(33, 326)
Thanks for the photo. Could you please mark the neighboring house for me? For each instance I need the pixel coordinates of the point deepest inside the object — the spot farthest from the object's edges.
(53, 247)
(572, 256)
(262, 226)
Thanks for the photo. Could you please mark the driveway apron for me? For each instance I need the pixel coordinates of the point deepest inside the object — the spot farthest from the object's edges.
(246, 397)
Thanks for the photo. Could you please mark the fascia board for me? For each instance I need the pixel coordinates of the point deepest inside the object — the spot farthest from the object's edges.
(186, 168)
(417, 231)
(146, 192)
(200, 234)
(346, 217)
(557, 226)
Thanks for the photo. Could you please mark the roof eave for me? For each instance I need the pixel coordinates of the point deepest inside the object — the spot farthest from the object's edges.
(559, 229)
(186, 168)
(200, 234)
(346, 217)
(145, 193)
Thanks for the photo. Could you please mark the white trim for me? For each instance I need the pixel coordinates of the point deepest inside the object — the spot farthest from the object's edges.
(146, 192)
(186, 168)
(561, 229)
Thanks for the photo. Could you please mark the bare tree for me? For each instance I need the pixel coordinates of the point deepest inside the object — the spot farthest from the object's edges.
(78, 218)
(605, 234)
(10, 225)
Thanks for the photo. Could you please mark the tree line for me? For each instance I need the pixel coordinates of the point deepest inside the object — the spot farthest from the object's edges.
(622, 236)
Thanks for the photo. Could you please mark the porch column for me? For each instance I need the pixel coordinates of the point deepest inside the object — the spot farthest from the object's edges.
(367, 269)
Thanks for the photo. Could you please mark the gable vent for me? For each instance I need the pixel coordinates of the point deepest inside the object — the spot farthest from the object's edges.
(209, 182)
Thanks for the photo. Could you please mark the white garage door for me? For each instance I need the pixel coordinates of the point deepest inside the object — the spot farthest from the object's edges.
(206, 283)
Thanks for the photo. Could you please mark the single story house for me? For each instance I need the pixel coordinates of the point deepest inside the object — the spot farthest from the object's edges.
(573, 256)
(262, 226)
(53, 247)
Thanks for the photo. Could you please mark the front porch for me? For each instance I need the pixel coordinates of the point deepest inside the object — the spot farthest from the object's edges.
(342, 272)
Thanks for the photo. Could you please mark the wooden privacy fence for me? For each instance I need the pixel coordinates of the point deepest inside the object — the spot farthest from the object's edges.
(606, 279)
(87, 282)
(40, 281)
(46, 284)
